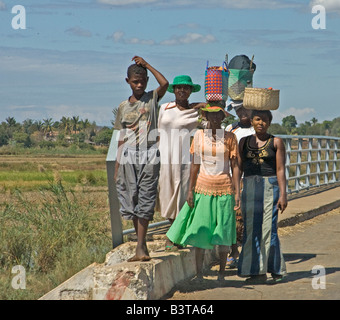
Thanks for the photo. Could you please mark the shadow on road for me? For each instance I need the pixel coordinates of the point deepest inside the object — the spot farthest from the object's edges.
(233, 281)
(295, 258)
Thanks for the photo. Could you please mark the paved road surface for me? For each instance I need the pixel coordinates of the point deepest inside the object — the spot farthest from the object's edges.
(315, 242)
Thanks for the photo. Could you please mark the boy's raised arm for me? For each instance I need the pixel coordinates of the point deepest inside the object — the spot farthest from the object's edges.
(163, 82)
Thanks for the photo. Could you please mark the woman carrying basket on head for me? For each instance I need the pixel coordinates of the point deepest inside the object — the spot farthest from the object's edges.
(263, 195)
(208, 217)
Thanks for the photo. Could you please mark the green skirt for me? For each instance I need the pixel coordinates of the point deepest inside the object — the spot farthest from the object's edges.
(211, 222)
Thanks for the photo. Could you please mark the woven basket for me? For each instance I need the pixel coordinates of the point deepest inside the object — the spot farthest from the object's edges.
(261, 99)
(238, 81)
(216, 83)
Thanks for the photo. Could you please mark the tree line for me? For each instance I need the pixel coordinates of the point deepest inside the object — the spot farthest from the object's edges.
(68, 131)
(289, 126)
(47, 133)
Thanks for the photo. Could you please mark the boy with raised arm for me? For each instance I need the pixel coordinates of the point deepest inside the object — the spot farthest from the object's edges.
(137, 165)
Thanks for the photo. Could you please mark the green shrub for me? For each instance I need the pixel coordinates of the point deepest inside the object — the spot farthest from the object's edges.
(52, 239)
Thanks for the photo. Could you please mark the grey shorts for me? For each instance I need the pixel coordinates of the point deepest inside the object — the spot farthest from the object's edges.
(137, 182)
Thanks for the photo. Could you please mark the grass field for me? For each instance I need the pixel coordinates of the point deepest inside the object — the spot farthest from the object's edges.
(54, 218)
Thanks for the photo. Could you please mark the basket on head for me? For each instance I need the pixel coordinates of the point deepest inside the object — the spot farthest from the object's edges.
(261, 99)
(241, 70)
(216, 83)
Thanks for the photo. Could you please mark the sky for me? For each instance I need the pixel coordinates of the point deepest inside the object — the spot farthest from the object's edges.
(71, 59)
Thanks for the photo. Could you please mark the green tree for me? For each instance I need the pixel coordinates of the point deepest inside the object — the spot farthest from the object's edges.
(65, 124)
(314, 121)
(104, 136)
(28, 126)
(289, 122)
(4, 138)
(335, 129)
(276, 128)
(22, 138)
(75, 124)
(38, 125)
(47, 127)
(11, 122)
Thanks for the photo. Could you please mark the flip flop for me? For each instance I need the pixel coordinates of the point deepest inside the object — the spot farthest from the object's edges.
(231, 262)
(277, 278)
(171, 248)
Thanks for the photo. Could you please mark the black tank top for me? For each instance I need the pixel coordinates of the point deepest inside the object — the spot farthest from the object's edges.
(259, 161)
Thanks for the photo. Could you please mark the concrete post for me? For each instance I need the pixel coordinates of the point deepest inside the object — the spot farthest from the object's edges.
(116, 222)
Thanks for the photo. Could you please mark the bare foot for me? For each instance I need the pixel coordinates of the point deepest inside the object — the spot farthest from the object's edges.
(139, 258)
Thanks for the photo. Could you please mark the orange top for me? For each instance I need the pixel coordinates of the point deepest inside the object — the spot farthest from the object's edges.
(214, 157)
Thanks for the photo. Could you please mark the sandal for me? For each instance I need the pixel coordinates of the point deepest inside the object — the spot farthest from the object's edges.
(277, 278)
(231, 263)
(171, 248)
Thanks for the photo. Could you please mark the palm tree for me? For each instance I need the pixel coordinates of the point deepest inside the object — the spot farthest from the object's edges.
(75, 123)
(39, 125)
(84, 124)
(27, 125)
(48, 126)
(11, 121)
(65, 123)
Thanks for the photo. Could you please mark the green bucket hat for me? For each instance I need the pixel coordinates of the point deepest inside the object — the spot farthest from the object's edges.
(184, 80)
(215, 107)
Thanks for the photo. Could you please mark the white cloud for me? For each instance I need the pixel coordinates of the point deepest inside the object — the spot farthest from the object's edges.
(301, 115)
(256, 4)
(55, 67)
(140, 41)
(79, 32)
(330, 5)
(118, 36)
(189, 38)
(231, 4)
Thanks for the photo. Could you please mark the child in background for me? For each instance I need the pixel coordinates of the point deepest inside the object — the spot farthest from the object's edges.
(137, 165)
(241, 128)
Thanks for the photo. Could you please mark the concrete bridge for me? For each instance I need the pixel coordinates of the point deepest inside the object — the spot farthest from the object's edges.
(117, 279)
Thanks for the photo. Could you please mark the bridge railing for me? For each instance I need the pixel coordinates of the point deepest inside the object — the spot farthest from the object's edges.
(311, 161)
